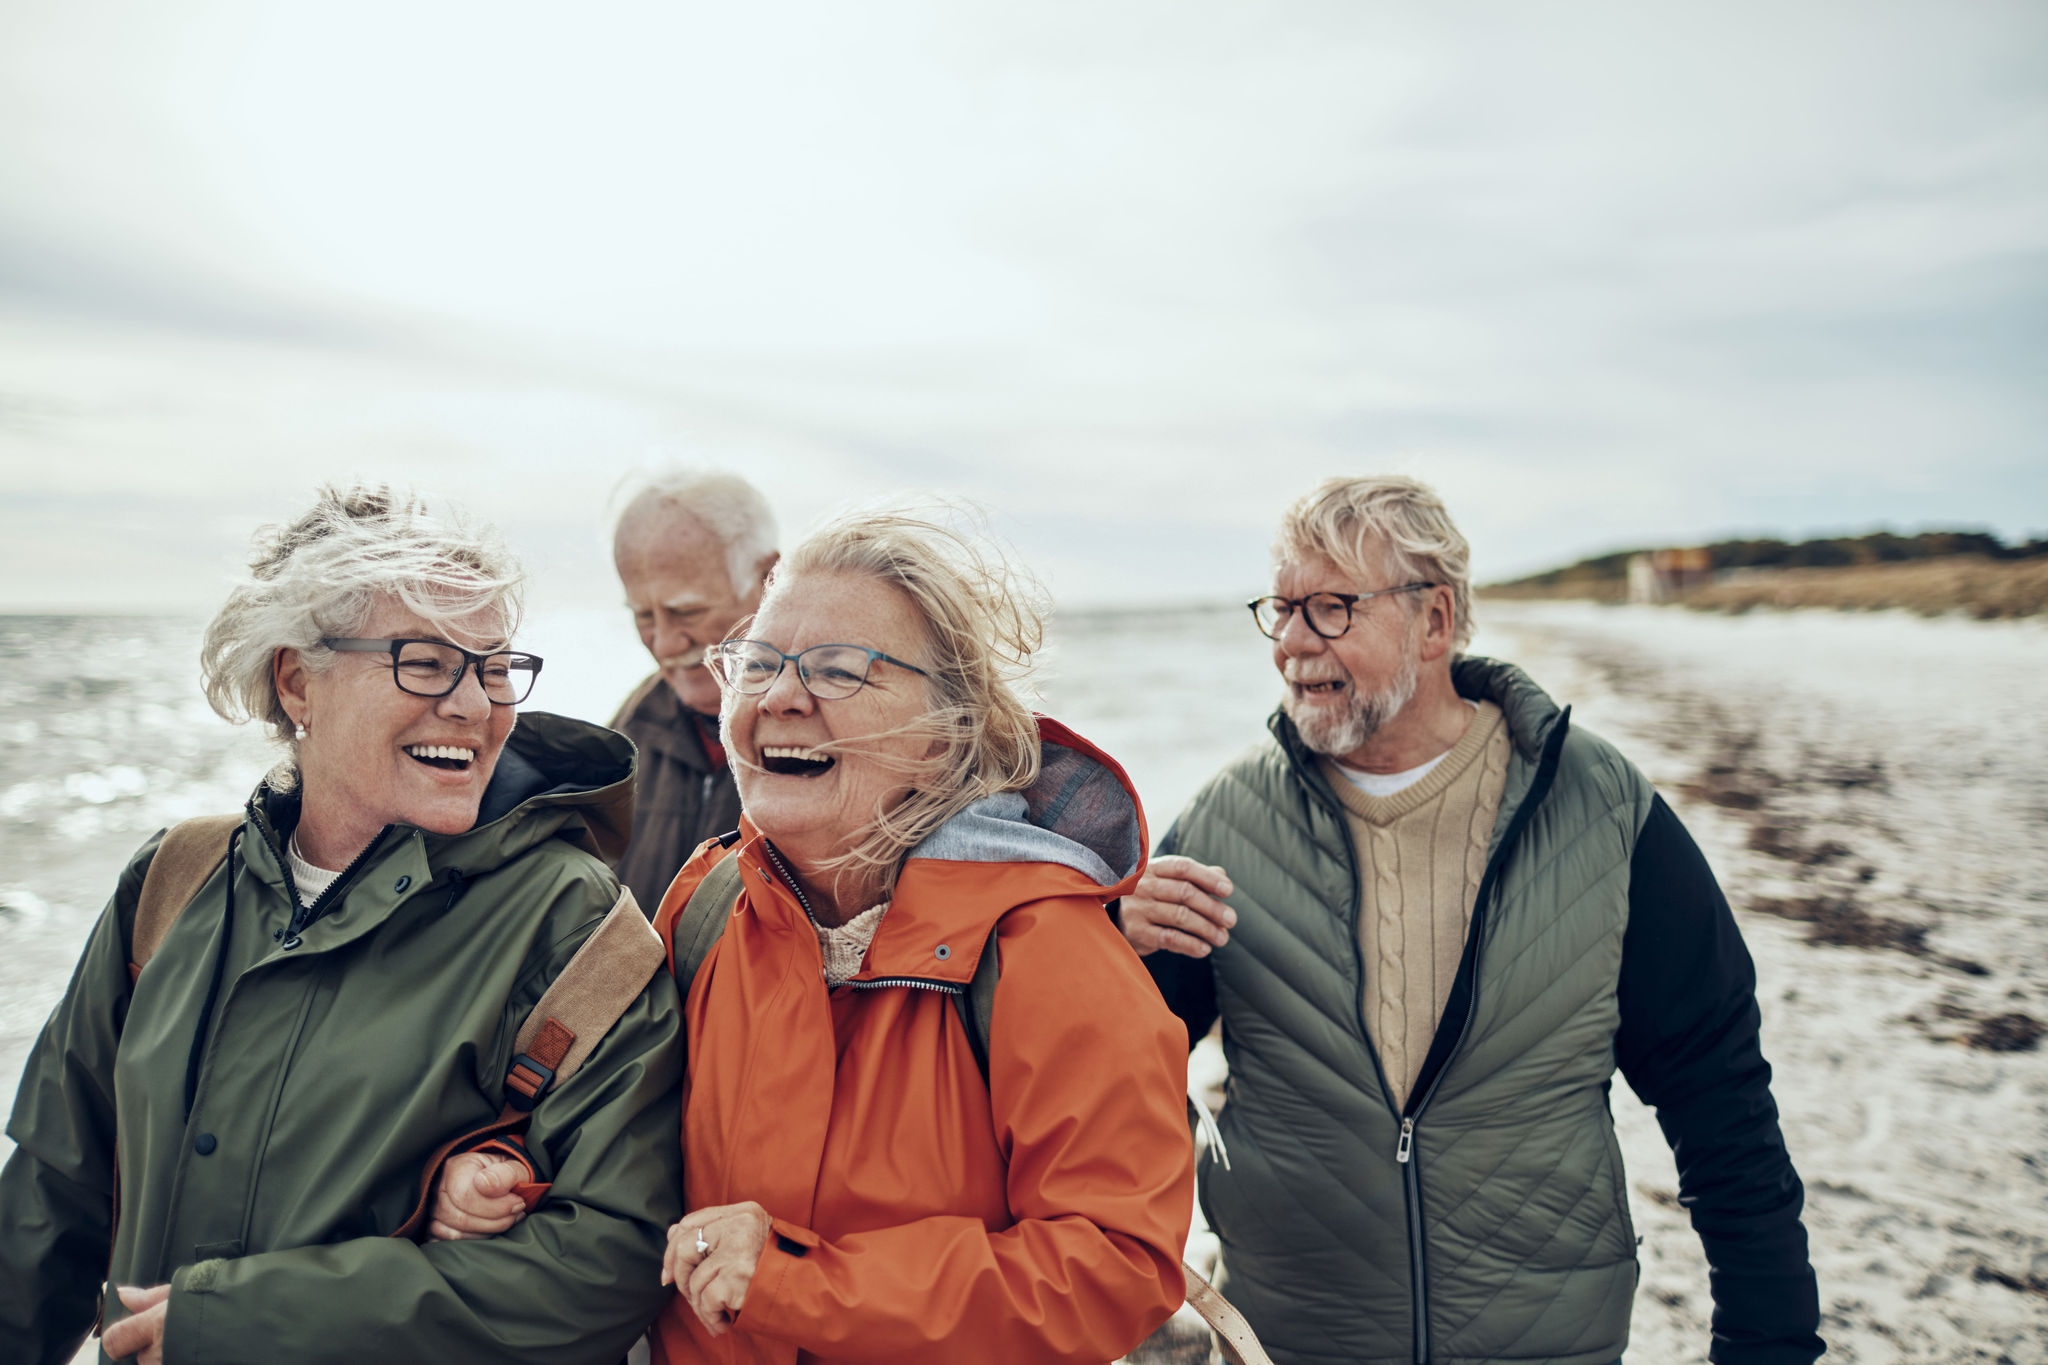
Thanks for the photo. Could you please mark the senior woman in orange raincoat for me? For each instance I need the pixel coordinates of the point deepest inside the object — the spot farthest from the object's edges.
(855, 1190)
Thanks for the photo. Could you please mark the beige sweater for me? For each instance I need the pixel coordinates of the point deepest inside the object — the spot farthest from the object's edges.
(845, 946)
(1421, 854)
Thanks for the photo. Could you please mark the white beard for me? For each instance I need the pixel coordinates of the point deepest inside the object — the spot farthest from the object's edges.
(1339, 731)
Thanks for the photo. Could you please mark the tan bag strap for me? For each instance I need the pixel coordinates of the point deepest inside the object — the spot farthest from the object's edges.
(1240, 1344)
(579, 1007)
(185, 858)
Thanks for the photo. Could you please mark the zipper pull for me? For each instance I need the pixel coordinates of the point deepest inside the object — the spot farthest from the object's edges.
(1407, 1147)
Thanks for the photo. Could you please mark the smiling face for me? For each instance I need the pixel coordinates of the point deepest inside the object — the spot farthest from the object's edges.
(375, 755)
(681, 593)
(813, 809)
(1341, 692)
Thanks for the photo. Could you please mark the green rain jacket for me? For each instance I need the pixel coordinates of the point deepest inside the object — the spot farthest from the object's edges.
(269, 1146)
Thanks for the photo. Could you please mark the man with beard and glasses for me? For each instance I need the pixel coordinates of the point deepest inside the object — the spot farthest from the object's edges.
(1433, 917)
(693, 551)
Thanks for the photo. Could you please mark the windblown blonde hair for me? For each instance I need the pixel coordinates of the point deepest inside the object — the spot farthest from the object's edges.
(1382, 526)
(321, 575)
(983, 619)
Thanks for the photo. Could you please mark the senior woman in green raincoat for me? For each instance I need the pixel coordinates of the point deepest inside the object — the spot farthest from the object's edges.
(340, 1000)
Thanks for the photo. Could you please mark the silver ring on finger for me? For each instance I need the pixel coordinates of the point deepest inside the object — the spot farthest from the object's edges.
(703, 1247)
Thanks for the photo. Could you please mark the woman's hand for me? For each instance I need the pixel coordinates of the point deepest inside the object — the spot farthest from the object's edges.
(140, 1336)
(715, 1280)
(476, 1199)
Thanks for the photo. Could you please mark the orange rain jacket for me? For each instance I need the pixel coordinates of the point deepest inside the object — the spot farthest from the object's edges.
(920, 1214)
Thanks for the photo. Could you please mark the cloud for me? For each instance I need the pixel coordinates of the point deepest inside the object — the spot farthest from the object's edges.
(1135, 276)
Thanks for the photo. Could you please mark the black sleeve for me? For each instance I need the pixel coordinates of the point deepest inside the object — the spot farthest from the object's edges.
(1689, 1045)
(1188, 983)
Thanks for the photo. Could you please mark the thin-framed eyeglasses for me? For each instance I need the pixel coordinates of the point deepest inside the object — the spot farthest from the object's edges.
(434, 668)
(1328, 613)
(828, 672)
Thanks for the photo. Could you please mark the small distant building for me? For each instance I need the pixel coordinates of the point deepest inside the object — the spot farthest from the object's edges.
(1666, 575)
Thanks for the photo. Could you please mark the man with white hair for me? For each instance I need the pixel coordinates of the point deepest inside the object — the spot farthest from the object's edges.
(1433, 917)
(693, 551)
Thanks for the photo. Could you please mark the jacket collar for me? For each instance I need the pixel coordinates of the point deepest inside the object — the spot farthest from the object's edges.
(1531, 714)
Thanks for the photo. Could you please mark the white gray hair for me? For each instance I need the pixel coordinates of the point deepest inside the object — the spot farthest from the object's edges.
(323, 573)
(1382, 524)
(730, 509)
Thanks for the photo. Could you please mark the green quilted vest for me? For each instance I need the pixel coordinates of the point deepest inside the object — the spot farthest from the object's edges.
(1489, 1222)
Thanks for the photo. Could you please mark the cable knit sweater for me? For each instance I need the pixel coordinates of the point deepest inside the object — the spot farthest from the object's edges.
(845, 946)
(1421, 854)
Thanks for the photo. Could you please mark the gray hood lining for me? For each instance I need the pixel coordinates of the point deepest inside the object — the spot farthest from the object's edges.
(1077, 814)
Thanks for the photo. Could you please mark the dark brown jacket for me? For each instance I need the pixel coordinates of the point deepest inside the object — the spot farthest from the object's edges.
(682, 800)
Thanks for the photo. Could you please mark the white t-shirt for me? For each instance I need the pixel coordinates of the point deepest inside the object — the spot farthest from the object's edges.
(308, 880)
(1393, 784)
(1389, 784)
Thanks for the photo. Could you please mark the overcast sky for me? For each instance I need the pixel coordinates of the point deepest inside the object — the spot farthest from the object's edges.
(1133, 275)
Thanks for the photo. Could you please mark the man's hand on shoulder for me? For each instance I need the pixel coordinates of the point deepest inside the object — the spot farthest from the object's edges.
(1178, 906)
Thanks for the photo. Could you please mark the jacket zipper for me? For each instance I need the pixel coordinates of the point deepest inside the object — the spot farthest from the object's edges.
(303, 915)
(1489, 887)
(872, 983)
(917, 982)
(1404, 1147)
(1411, 1179)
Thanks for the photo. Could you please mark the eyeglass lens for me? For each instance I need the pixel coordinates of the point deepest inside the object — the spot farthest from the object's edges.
(1328, 614)
(430, 670)
(827, 672)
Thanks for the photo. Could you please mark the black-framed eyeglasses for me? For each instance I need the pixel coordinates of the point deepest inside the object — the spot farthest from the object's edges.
(1328, 613)
(828, 672)
(434, 668)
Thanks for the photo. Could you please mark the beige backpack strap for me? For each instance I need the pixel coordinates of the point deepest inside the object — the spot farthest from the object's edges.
(1240, 1345)
(569, 1020)
(605, 976)
(185, 858)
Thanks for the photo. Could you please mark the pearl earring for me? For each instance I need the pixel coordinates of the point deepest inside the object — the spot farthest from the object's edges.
(300, 733)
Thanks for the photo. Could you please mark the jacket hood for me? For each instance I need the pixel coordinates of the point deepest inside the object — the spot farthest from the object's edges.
(1080, 814)
(555, 778)
(1079, 830)
(558, 771)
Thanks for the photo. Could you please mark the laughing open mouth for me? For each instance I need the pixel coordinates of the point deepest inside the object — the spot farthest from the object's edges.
(789, 761)
(1324, 688)
(444, 756)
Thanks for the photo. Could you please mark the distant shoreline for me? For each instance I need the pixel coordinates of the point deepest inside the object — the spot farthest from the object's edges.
(1972, 585)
